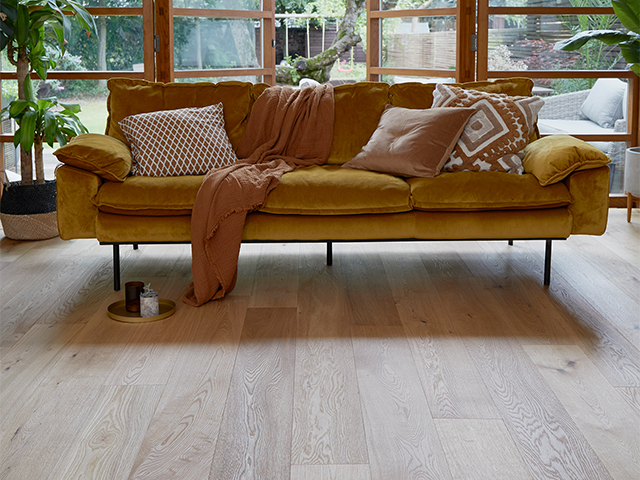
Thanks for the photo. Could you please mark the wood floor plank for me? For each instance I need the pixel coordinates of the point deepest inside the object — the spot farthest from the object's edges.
(616, 357)
(107, 444)
(627, 277)
(60, 290)
(451, 382)
(548, 439)
(149, 356)
(533, 318)
(182, 436)
(276, 277)
(27, 363)
(631, 396)
(371, 302)
(330, 472)
(247, 264)
(89, 359)
(401, 435)
(481, 450)
(608, 423)
(42, 430)
(255, 436)
(327, 417)
(621, 310)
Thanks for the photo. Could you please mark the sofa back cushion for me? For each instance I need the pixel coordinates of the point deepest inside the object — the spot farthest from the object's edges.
(131, 96)
(358, 107)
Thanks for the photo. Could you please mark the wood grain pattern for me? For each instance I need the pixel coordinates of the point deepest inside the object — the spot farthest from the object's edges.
(607, 422)
(28, 362)
(616, 357)
(182, 436)
(42, 430)
(465, 378)
(631, 396)
(532, 316)
(402, 441)
(330, 472)
(327, 417)
(550, 442)
(451, 382)
(481, 450)
(53, 278)
(106, 446)
(88, 360)
(276, 277)
(255, 436)
(367, 287)
(149, 356)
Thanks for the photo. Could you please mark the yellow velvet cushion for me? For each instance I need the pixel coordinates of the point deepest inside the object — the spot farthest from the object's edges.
(552, 158)
(131, 96)
(105, 156)
(152, 196)
(358, 108)
(485, 191)
(412, 142)
(332, 190)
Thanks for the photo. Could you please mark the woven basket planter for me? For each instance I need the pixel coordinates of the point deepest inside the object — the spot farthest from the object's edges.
(28, 212)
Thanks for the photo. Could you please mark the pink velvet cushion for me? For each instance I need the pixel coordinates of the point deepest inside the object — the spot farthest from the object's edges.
(411, 142)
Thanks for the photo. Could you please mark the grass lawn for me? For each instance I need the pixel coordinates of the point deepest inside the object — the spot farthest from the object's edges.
(93, 113)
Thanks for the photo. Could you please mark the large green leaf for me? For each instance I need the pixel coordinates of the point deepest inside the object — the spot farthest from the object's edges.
(22, 25)
(28, 89)
(631, 51)
(71, 107)
(50, 127)
(17, 107)
(628, 11)
(28, 129)
(610, 37)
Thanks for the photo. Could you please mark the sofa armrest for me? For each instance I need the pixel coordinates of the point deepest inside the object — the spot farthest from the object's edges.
(565, 106)
(102, 155)
(589, 206)
(77, 210)
(551, 159)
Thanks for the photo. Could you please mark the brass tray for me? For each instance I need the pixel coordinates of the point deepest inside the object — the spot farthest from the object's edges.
(118, 311)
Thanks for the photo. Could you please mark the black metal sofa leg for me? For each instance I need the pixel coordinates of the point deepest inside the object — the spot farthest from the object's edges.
(547, 264)
(329, 253)
(116, 267)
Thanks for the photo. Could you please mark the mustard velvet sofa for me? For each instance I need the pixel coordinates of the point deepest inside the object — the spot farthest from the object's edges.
(564, 190)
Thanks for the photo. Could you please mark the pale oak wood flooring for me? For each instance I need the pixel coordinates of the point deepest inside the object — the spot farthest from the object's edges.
(416, 360)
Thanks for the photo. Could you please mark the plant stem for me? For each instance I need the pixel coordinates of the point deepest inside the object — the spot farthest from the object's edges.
(37, 149)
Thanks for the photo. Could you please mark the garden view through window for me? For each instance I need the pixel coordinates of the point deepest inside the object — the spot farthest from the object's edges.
(414, 40)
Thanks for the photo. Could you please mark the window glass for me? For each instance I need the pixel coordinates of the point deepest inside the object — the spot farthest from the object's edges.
(415, 4)
(215, 43)
(419, 42)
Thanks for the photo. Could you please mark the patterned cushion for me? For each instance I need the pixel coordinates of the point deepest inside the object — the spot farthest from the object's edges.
(186, 141)
(495, 134)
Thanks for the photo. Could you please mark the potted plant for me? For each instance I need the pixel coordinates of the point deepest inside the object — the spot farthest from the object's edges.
(628, 12)
(34, 33)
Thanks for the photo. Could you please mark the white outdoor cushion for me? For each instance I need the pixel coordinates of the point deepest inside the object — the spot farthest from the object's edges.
(604, 103)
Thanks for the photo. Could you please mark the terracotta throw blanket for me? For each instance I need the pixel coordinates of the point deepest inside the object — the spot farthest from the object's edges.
(287, 128)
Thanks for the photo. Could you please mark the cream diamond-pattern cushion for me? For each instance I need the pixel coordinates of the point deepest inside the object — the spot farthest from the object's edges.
(186, 141)
(495, 134)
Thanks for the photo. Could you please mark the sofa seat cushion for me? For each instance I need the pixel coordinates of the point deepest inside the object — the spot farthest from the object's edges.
(550, 127)
(465, 191)
(154, 196)
(332, 190)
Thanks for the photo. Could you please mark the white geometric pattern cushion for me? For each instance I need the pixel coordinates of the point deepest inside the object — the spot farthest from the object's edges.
(186, 141)
(495, 134)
